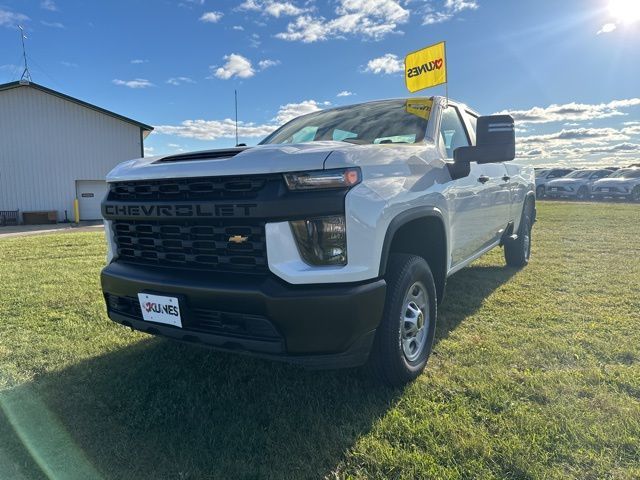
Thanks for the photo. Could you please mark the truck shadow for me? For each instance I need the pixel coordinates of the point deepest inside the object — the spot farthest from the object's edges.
(158, 409)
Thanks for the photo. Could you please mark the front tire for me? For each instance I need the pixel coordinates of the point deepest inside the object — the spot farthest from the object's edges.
(404, 338)
(540, 192)
(635, 194)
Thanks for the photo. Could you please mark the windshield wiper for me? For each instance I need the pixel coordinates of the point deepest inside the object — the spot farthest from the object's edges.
(355, 141)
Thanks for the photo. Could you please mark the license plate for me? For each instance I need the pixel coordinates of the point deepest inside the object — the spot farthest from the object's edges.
(605, 189)
(554, 189)
(160, 309)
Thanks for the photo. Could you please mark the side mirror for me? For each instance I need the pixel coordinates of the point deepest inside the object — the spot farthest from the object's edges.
(495, 142)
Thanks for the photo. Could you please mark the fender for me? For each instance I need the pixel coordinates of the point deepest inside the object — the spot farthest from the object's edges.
(402, 219)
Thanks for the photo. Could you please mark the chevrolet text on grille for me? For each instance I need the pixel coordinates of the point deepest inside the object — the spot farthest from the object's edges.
(195, 210)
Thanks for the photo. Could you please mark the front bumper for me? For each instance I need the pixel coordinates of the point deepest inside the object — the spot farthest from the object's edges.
(318, 326)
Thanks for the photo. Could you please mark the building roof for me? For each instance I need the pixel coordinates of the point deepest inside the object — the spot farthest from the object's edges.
(7, 86)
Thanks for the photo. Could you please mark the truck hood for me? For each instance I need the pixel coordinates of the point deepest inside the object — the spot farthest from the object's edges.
(264, 159)
(254, 160)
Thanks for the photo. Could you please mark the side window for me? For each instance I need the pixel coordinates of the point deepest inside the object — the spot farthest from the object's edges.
(452, 131)
(306, 134)
(342, 134)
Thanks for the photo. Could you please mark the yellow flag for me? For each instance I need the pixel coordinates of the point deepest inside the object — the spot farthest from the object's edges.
(426, 68)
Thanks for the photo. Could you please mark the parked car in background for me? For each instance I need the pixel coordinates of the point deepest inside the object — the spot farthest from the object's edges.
(545, 176)
(576, 184)
(625, 183)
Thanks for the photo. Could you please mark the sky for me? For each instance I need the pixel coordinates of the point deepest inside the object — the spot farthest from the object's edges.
(568, 71)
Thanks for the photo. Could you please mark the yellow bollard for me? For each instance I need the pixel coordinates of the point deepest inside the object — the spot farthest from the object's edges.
(76, 210)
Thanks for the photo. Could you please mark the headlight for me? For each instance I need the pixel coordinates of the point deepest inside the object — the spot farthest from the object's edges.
(313, 180)
(322, 241)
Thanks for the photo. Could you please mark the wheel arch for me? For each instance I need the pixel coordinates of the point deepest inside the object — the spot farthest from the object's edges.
(420, 231)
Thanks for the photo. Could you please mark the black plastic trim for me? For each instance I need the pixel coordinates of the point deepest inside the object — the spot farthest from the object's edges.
(355, 356)
(273, 203)
(312, 319)
(400, 220)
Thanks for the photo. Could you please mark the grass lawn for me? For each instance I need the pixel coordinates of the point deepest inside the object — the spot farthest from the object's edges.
(535, 374)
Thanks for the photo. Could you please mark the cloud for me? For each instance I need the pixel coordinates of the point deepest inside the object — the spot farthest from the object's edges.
(211, 17)
(138, 61)
(238, 27)
(10, 19)
(607, 28)
(49, 5)
(620, 147)
(215, 129)
(69, 64)
(436, 17)
(235, 66)
(571, 112)
(135, 83)
(345, 93)
(576, 134)
(456, 6)
(371, 19)
(267, 63)
(388, 63)
(52, 24)
(449, 10)
(180, 80)
(581, 144)
(12, 68)
(272, 7)
(292, 110)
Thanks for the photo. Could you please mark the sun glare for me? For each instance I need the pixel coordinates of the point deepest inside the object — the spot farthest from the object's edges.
(626, 11)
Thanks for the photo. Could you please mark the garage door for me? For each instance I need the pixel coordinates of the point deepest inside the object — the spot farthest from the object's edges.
(90, 194)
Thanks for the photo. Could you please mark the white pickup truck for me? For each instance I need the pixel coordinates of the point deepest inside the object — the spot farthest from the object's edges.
(328, 244)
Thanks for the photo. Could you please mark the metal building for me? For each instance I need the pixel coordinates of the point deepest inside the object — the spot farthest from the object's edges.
(55, 148)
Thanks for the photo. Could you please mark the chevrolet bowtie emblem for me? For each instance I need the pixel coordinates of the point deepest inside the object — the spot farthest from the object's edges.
(238, 239)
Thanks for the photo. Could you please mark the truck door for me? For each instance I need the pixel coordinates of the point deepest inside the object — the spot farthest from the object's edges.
(465, 195)
(496, 197)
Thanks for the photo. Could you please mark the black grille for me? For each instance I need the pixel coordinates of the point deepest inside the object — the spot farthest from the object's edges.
(210, 244)
(209, 188)
(203, 319)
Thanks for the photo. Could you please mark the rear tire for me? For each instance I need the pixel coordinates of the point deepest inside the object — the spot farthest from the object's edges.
(635, 194)
(540, 192)
(518, 252)
(404, 338)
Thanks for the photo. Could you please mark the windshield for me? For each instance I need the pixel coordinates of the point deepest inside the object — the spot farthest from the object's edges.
(626, 173)
(370, 123)
(579, 174)
(541, 173)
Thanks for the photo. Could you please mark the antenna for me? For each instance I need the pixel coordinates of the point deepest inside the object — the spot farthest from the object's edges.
(26, 75)
(235, 92)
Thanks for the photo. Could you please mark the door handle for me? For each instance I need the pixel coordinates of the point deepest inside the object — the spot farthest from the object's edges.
(483, 179)
(506, 178)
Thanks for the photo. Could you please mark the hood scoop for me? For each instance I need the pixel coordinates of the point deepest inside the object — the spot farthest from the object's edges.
(203, 155)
